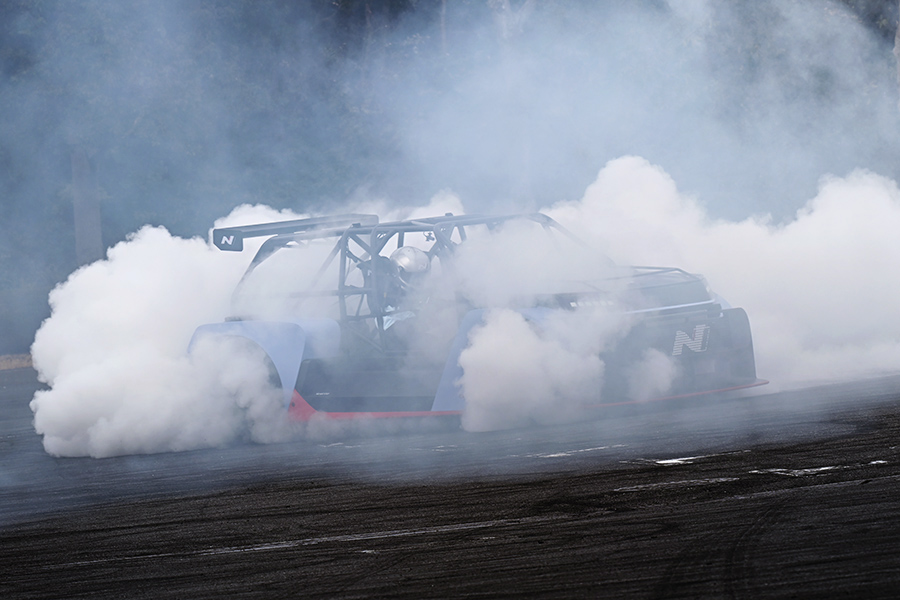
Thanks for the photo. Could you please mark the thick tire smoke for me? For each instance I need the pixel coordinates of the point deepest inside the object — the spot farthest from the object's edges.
(114, 353)
(818, 287)
(818, 290)
(513, 375)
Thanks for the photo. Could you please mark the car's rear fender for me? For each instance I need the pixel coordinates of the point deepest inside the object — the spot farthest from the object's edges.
(287, 343)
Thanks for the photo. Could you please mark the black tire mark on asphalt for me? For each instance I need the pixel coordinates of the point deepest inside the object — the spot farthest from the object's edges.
(740, 573)
(700, 551)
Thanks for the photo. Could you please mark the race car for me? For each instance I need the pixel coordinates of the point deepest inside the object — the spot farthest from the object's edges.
(358, 317)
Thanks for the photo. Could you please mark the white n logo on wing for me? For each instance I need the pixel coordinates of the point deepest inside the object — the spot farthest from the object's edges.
(697, 343)
(228, 239)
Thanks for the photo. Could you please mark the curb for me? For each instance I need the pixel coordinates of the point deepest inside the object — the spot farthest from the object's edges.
(15, 361)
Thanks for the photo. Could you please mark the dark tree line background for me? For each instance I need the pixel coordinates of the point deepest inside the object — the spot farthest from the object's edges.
(172, 113)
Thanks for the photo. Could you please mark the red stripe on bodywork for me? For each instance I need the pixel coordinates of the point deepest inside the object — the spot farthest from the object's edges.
(301, 410)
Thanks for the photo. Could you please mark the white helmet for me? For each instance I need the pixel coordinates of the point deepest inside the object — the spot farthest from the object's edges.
(412, 263)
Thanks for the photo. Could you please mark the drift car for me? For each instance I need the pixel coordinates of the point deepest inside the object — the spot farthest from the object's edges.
(358, 317)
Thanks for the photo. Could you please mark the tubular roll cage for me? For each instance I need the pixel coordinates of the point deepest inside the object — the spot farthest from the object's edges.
(359, 238)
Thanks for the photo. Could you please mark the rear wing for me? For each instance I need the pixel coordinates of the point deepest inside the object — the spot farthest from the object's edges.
(232, 238)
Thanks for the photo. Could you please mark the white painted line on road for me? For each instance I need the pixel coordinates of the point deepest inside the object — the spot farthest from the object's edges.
(572, 452)
(800, 472)
(375, 535)
(669, 484)
(354, 537)
(671, 462)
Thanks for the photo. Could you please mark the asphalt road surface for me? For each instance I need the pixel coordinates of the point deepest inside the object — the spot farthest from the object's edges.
(780, 495)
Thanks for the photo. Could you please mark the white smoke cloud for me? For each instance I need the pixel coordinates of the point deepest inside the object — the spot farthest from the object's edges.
(746, 103)
(818, 288)
(652, 376)
(441, 203)
(515, 374)
(114, 352)
(543, 367)
(519, 260)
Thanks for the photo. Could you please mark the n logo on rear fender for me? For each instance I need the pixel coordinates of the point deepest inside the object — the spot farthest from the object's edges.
(695, 343)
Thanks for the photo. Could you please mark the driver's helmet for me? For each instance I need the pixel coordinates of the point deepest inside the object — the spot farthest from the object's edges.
(412, 264)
